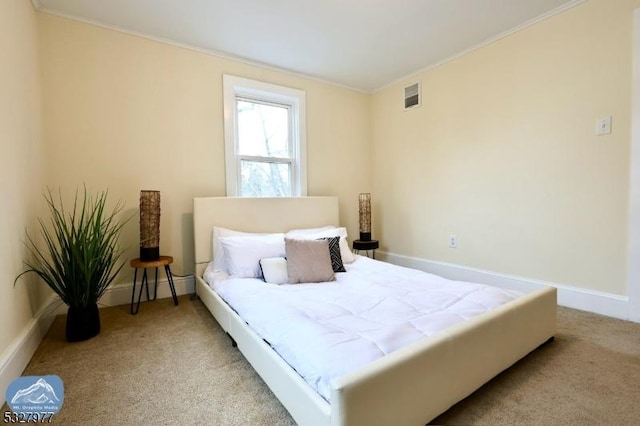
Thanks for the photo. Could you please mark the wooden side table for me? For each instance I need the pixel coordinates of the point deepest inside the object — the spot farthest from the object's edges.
(359, 245)
(162, 261)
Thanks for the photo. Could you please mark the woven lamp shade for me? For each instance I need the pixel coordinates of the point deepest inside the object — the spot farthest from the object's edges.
(149, 225)
(365, 216)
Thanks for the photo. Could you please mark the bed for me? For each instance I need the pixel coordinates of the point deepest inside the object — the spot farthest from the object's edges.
(411, 385)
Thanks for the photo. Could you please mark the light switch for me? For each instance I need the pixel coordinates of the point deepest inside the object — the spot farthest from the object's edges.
(603, 126)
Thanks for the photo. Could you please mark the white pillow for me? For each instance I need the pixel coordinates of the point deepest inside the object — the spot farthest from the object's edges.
(345, 252)
(219, 263)
(243, 253)
(274, 270)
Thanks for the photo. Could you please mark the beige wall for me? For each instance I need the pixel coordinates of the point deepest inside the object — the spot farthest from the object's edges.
(21, 170)
(503, 154)
(128, 113)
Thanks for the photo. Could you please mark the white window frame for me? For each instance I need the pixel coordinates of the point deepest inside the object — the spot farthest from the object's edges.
(235, 88)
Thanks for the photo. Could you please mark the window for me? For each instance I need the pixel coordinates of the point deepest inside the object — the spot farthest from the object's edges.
(264, 132)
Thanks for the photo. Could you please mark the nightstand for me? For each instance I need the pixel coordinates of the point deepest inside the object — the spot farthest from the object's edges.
(162, 261)
(359, 245)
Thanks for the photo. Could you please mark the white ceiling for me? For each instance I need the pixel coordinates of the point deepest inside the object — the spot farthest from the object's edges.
(363, 44)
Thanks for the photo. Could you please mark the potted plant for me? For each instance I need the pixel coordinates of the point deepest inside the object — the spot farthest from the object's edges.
(79, 257)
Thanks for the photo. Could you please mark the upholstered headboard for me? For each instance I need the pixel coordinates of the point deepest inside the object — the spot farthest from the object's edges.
(256, 215)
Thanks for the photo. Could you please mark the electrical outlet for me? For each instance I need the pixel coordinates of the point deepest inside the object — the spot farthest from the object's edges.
(453, 241)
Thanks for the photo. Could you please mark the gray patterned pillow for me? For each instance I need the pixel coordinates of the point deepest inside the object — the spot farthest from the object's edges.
(308, 261)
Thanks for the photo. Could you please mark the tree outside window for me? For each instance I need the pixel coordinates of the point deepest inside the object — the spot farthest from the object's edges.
(264, 136)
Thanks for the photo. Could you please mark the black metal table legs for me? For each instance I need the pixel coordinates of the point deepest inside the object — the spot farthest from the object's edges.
(145, 284)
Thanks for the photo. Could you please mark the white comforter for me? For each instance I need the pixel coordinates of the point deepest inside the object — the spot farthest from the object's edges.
(330, 329)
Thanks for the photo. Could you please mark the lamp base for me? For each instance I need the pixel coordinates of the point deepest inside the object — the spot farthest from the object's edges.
(149, 253)
(365, 236)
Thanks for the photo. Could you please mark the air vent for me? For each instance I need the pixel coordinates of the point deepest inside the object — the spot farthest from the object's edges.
(412, 96)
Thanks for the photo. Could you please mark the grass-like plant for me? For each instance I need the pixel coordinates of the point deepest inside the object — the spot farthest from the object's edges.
(80, 255)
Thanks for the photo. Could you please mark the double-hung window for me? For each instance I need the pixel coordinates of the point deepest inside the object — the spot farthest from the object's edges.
(264, 139)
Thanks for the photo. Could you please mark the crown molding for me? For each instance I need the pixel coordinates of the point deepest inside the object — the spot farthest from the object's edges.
(193, 48)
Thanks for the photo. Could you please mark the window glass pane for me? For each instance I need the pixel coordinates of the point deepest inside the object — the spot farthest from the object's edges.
(262, 179)
(263, 130)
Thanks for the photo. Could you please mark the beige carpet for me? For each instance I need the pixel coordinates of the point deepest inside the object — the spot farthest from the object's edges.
(174, 365)
(590, 375)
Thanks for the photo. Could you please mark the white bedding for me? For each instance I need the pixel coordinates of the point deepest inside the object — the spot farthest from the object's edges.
(327, 330)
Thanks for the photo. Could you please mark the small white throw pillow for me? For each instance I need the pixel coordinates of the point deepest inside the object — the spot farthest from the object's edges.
(274, 270)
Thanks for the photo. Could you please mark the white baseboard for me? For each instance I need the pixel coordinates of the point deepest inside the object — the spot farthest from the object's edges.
(16, 357)
(611, 305)
(120, 294)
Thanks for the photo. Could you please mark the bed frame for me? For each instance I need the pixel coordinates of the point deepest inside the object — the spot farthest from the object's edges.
(410, 386)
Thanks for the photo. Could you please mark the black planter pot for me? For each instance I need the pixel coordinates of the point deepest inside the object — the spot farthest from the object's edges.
(83, 323)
